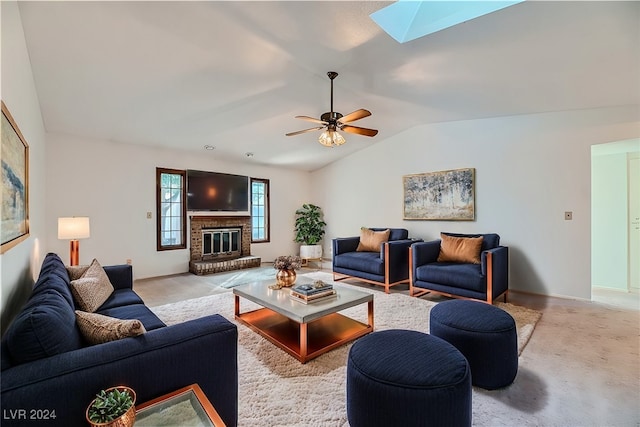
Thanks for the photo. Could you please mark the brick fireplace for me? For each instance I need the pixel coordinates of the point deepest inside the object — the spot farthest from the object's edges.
(207, 257)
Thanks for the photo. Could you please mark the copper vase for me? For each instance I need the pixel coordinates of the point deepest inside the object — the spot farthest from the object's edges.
(286, 278)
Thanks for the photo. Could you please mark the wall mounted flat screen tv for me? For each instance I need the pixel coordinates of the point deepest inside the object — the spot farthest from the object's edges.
(213, 191)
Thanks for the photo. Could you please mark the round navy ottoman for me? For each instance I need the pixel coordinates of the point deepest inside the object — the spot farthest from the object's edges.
(485, 334)
(407, 378)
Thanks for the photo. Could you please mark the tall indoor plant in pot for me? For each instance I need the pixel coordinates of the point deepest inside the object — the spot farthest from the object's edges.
(309, 229)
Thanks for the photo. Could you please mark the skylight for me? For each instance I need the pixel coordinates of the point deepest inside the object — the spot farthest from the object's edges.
(407, 20)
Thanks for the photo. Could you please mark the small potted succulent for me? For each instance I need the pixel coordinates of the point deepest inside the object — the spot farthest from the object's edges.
(113, 407)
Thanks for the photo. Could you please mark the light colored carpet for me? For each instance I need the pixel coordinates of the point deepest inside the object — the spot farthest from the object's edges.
(277, 390)
(526, 320)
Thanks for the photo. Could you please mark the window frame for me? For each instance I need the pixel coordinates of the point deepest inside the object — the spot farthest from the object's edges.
(267, 210)
(183, 213)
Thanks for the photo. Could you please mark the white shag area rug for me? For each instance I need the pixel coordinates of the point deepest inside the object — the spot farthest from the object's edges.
(277, 390)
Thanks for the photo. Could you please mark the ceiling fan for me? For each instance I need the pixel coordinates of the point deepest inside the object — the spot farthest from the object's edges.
(333, 121)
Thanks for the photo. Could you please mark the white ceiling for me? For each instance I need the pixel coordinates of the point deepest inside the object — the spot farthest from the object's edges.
(234, 74)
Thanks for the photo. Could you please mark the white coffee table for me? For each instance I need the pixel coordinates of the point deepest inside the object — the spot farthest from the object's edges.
(305, 331)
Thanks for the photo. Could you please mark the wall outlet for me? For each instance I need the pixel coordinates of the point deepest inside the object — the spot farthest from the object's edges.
(568, 216)
(129, 261)
(149, 215)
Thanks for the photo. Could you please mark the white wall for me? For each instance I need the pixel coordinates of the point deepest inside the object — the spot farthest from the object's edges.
(114, 185)
(609, 230)
(20, 265)
(530, 169)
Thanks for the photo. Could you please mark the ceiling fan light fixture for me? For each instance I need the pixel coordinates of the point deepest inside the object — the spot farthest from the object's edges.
(332, 120)
(331, 138)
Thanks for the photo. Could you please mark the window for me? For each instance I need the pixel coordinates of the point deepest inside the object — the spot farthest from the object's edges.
(259, 210)
(171, 213)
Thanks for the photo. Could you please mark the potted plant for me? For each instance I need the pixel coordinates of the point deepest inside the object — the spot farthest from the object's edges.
(309, 229)
(113, 407)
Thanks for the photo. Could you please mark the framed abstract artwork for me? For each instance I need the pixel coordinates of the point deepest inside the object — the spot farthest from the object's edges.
(445, 195)
(14, 201)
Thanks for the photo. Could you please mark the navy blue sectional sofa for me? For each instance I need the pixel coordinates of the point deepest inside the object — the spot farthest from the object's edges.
(47, 368)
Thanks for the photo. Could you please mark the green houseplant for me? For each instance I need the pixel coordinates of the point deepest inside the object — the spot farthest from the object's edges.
(309, 229)
(113, 407)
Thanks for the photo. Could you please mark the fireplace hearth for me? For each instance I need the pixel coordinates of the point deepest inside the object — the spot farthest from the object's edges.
(220, 243)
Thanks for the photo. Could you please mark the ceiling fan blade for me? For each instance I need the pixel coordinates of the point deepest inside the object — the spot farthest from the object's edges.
(304, 131)
(356, 115)
(359, 131)
(311, 119)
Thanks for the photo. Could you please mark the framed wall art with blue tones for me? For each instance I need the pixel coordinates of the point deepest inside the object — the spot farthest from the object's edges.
(14, 200)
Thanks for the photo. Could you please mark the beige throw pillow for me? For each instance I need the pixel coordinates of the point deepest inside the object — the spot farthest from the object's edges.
(98, 329)
(76, 271)
(92, 289)
(370, 240)
(460, 249)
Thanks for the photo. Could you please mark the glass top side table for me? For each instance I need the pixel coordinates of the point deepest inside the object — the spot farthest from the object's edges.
(185, 407)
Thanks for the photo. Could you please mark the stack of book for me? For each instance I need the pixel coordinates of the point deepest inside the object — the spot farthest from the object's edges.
(315, 292)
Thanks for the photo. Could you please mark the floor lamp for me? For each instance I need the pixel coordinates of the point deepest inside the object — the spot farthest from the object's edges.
(73, 228)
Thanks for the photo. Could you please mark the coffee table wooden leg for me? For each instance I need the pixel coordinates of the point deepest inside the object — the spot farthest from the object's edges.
(370, 311)
(303, 341)
(237, 306)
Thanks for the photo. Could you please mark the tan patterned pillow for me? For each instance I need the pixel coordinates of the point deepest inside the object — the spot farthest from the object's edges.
(76, 271)
(97, 329)
(370, 240)
(460, 249)
(92, 289)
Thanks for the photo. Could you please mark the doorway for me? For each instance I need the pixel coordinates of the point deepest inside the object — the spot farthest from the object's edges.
(615, 223)
(634, 222)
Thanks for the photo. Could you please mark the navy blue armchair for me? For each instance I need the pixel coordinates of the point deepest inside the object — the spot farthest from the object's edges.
(485, 281)
(389, 266)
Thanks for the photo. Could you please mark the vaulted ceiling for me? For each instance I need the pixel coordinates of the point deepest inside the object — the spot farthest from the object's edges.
(234, 74)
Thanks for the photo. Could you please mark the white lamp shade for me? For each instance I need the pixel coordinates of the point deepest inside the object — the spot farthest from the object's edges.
(71, 228)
